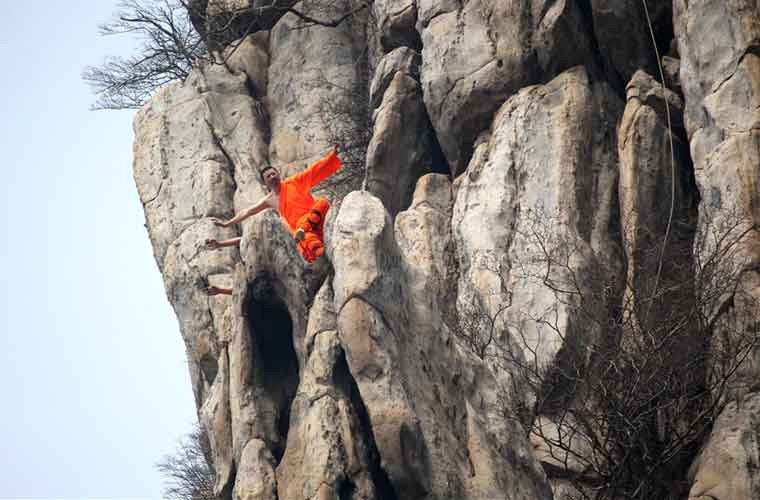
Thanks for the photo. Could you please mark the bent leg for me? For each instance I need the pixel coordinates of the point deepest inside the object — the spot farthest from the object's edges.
(311, 247)
(313, 220)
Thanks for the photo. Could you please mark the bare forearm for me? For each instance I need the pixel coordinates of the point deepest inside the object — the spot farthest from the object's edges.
(240, 217)
(232, 242)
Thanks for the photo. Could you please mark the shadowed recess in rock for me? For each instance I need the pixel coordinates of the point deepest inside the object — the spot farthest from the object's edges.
(438, 162)
(276, 364)
(346, 383)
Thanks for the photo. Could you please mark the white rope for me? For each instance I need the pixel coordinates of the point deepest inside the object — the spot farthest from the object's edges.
(672, 160)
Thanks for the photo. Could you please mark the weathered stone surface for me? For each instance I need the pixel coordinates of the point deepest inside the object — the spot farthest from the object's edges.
(405, 377)
(721, 85)
(396, 21)
(548, 167)
(316, 85)
(327, 452)
(671, 68)
(215, 418)
(657, 198)
(402, 60)
(251, 57)
(221, 22)
(477, 54)
(727, 466)
(255, 474)
(395, 157)
(354, 377)
(198, 149)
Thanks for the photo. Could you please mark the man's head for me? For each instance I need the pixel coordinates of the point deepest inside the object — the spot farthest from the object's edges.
(270, 176)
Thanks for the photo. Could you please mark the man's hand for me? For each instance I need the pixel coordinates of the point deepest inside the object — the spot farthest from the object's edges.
(219, 222)
(213, 244)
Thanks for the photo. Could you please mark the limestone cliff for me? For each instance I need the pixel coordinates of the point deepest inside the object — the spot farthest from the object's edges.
(513, 169)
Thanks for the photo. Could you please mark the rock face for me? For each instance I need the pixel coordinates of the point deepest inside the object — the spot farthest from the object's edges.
(721, 85)
(550, 159)
(476, 54)
(509, 195)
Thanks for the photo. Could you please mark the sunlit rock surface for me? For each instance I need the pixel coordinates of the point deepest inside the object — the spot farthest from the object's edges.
(467, 129)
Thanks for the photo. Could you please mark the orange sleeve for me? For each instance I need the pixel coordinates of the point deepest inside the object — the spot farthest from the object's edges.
(319, 170)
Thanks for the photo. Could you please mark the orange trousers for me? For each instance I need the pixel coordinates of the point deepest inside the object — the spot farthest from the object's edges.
(313, 222)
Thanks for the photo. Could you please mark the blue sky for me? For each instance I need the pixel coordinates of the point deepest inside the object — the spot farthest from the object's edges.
(93, 377)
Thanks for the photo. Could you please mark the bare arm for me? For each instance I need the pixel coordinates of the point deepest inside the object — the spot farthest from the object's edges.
(214, 244)
(244, 214)
(218, 290)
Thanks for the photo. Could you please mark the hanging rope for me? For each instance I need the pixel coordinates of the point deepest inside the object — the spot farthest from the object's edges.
(672, 161)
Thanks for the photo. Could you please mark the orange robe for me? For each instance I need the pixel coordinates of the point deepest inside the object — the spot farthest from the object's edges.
(301, 210)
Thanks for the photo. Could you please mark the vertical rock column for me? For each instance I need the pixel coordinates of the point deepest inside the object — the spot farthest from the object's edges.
(719, 44)
(657, 201)
(399, 151)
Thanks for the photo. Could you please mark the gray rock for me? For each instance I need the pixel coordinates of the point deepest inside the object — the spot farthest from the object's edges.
(395, 157)
(671, 68)
(402, 60)
(548, 167)
(727, 465)
(198, 149)
(327, 449)
(405, 377)
(250, 56)
(722, 95)
(396, 21)
(477, 54)
(657, 201)
(221, 22)
(721, 86)
(366, 374)
(316, 89)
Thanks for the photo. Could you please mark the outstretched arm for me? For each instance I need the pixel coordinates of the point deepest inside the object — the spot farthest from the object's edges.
(244, 214)
(214, 244)
(218, 290)
(321, 169)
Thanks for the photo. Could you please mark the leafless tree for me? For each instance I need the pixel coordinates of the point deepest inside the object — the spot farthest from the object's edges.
(177, 35)
(187, 472)
(622, 414)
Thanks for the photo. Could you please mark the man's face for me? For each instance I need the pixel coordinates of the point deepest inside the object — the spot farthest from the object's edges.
(271, 177)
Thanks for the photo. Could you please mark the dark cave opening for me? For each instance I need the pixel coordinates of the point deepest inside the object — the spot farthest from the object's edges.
(276, 363)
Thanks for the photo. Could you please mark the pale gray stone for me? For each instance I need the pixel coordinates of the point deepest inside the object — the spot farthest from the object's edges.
(550, 160)
(479, 53)
(396, 158)
(727, 466)
(396, 21)
(720, 77)
(350, 378)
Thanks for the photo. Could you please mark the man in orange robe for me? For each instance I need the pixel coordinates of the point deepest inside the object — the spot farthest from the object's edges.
(304, 214)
